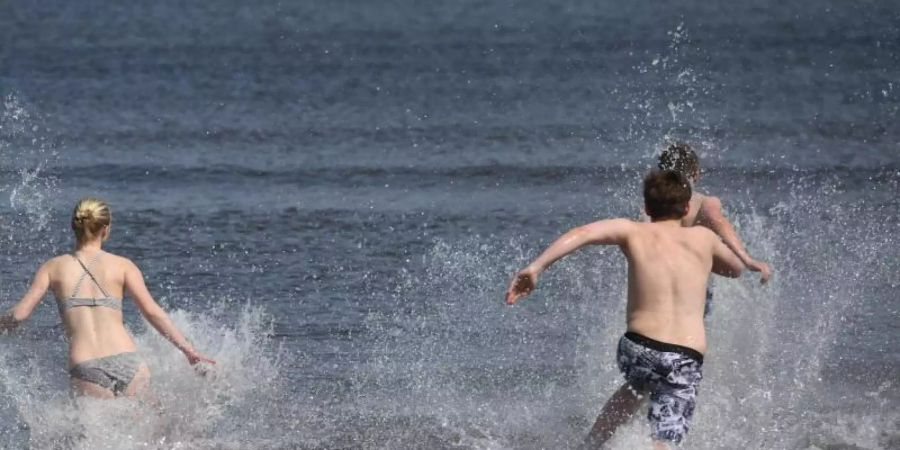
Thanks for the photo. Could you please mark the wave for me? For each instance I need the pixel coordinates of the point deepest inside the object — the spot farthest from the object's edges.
(505, 173)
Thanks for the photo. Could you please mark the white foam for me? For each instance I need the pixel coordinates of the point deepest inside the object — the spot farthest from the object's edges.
(218, 409)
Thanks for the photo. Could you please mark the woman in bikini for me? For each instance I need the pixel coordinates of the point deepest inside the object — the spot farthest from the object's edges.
(89, 285)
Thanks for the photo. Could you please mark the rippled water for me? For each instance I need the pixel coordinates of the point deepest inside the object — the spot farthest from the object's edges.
(330, 198)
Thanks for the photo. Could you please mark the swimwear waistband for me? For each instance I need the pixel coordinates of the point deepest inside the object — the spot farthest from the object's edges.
(638, 338)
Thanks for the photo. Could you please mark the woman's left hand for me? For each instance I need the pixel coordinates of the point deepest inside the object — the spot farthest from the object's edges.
(195, 357)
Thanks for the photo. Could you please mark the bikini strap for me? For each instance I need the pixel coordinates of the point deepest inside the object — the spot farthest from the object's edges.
(87, 272)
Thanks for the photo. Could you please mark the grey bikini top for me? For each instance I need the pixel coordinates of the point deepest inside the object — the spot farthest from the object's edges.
(74, 301)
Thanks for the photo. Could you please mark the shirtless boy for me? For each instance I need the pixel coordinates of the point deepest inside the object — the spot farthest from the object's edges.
(668, 268)
(706, 210)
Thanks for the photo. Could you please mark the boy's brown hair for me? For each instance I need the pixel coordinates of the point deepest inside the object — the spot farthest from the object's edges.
(666, 194)
(680, 157)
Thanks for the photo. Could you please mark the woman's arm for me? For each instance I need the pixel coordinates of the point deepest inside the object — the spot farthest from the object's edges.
(23, 309)
(137, 289)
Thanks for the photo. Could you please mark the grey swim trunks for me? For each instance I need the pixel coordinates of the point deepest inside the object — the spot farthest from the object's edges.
(670, 373)
(707, 307)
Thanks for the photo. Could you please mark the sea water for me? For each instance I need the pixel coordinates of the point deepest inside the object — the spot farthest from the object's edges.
(329, 199)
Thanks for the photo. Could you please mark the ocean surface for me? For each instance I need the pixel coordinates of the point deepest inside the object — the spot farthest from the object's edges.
(330, 198)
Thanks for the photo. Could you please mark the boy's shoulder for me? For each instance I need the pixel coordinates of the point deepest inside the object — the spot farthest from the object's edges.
(701, 235)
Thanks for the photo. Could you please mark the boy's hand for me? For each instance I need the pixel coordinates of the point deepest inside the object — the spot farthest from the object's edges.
(761, 267)
(521, 285)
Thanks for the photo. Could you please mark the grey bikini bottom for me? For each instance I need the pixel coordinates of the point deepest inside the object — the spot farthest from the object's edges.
(113, 372)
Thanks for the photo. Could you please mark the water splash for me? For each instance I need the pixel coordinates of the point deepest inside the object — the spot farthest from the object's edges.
(240, 400)
(466, 371)
(26, 150)
(232, 404)
(669, 100)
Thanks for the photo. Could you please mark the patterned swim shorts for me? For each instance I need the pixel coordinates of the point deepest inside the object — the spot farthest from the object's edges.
(670, 373)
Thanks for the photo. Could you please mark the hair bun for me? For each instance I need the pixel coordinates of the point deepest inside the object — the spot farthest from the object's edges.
(89, 217)
(81, 217)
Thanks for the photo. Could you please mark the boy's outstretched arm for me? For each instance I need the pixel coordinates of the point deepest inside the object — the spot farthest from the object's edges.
(604, 232)
(23, 309)
(715, 220)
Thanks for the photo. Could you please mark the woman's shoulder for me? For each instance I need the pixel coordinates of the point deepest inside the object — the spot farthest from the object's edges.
(123, 262)
(56, 260)
(113, 258)
(53, 265)
(118, 259)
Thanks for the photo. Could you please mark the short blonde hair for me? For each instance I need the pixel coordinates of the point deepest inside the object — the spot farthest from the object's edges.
(89, 217)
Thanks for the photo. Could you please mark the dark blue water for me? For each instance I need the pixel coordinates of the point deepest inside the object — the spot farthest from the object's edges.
(331, 196)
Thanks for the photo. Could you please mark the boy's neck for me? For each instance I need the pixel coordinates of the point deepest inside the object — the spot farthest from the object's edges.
(667, 222)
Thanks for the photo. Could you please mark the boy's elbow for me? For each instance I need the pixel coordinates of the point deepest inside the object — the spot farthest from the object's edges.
(579, 232)
(728, 271)
(19, 315)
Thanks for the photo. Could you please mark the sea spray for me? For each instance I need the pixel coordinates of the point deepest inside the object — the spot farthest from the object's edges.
(235, 402)
(545, 367)
(27, 151)
(228, 405)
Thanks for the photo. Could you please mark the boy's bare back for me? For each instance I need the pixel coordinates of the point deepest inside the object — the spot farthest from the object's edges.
(668, 270)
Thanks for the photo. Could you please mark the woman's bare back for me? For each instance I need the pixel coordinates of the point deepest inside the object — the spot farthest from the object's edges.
(95, 326)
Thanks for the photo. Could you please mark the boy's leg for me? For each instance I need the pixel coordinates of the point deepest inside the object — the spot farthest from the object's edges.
(673, 400)
(617, 410)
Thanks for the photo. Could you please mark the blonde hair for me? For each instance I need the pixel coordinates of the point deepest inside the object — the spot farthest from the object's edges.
(89, 218)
